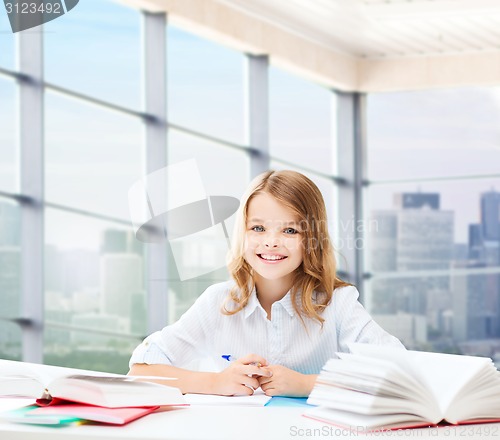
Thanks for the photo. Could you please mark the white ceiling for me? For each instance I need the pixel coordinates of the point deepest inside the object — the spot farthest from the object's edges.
(386, 28)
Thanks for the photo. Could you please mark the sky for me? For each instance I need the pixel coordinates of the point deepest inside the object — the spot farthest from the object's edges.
(94, 155)
(435, 134)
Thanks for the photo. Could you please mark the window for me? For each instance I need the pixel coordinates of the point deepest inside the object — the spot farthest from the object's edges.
(205, 86)
(301, 122)
(95, 50)
(97, 277)
(95, 284)
(10, 279)
(10, 251)
(8, 136)
(95, 295)
(92, 157)
(441, 133)
(434, 206)
(7, 60)
(10, 341)
(213, 161)
(302, 138)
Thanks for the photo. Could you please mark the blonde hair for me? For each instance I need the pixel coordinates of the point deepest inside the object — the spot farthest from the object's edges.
(317, 272)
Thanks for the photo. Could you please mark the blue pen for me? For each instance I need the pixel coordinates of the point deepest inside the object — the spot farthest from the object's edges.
(231, 358)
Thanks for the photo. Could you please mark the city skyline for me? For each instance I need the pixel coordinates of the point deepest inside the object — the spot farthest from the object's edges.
(437, 311)
(74, 270)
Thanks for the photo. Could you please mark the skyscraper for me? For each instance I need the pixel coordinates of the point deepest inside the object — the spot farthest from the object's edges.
(475, 304)
(476, 242)
(383, 241)
(10, 259)
(10, 281)
(425, 239)
(114, 241)
(416, 236)
(10, 224)
(480, 318)
(121, 278)
(416, 200)
(490, 215)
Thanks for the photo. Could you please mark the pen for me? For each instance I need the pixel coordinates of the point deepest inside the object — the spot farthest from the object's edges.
(231, 358)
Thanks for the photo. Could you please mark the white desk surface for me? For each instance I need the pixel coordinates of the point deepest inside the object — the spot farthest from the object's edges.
(224, 423)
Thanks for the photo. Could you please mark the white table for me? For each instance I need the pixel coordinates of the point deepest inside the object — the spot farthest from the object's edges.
(225, 423)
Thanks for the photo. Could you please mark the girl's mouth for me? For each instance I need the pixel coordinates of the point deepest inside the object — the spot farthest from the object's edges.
(271, 257)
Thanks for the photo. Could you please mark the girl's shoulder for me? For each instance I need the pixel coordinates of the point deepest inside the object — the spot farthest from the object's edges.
(345, 294)
(217, 292)
(340, 296)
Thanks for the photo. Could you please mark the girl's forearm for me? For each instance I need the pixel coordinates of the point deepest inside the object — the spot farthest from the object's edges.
(187, 381)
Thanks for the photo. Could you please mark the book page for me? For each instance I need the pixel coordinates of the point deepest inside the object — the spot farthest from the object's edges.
(443, 374)
(43, 373)
(257, 399)
(477, 400)
(363, 423)
(386, 377)
(446, 375)
(114, 392)
(20, 379)
(14, 369)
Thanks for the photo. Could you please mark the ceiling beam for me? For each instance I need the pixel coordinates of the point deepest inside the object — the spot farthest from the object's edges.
(250, 34)
(247, 33)
(418, 73)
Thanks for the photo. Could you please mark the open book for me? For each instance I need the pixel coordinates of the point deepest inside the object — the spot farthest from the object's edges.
(48, 384)
(376, 387)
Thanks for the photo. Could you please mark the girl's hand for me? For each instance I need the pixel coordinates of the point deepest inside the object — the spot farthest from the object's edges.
(286, 382)
(241, 378)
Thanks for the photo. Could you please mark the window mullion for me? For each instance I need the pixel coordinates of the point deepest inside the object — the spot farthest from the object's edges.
(257, 112)
(155, 95)
(30, 48)
(351, 157)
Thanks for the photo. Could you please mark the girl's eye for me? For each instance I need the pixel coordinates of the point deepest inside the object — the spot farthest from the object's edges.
(290, 231)
(257, 228)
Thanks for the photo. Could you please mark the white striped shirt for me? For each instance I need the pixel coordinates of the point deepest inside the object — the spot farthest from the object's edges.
(203, 331)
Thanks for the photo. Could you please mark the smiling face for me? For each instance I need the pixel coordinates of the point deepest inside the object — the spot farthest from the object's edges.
(273, 242)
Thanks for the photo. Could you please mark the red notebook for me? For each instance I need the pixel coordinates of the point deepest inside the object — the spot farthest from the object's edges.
(114, 416)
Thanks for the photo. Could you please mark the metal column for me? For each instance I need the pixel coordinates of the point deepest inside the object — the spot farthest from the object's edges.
(257, 118)
(32, 188)
(155, 98)
(351, 166)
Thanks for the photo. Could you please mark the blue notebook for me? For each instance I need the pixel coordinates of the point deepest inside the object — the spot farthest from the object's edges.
(288, 401)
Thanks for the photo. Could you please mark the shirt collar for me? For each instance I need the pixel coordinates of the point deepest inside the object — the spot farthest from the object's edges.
(253, 303)
(287, 303)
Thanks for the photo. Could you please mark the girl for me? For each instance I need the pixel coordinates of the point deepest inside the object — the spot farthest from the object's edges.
(284, 314)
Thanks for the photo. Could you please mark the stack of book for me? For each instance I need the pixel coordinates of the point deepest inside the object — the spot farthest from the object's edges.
(381, 388)
(63, 395)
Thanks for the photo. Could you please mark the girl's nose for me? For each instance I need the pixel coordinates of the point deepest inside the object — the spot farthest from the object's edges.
(271, 241)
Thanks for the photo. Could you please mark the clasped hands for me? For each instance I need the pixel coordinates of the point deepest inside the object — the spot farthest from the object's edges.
(250, 372)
